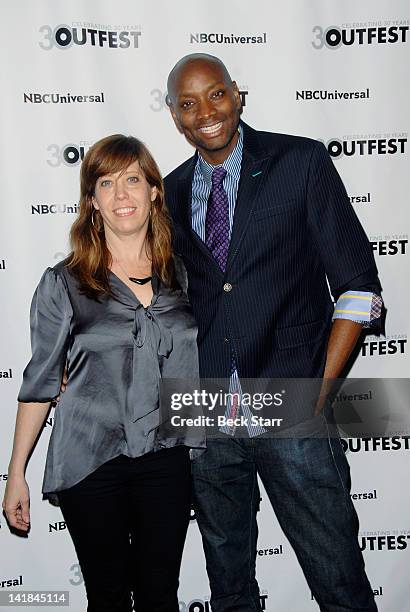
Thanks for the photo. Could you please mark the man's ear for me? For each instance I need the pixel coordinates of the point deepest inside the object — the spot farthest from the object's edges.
(176, 120)
(237, 95)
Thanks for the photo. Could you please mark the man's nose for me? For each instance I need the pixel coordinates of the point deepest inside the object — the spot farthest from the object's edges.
(206, 109)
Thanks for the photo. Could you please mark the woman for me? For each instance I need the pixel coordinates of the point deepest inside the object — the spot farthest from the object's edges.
(117, 314)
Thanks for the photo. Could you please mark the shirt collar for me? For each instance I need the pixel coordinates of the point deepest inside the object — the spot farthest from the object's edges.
(232, 163)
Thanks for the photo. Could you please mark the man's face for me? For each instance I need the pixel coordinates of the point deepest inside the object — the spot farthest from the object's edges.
(206, 109)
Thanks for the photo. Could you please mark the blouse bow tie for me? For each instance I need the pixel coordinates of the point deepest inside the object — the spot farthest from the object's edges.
(145, 317)
(148, 328)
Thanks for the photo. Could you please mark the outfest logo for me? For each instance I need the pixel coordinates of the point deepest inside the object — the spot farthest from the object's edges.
(394, 244)
(359, 34)
(367, 144)
(394, 344)
(80, 34)
(384, 540)
(357, 445)
(69, 154)
(203, 605)
(159, 98)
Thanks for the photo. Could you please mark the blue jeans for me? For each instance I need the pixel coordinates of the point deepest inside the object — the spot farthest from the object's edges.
(308, 484)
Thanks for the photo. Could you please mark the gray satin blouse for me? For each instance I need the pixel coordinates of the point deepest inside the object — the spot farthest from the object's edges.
(116, 352)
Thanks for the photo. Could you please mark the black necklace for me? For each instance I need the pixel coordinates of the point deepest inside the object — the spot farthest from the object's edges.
(140, 281)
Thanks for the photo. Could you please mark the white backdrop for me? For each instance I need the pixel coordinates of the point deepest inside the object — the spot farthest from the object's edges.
(59, 96)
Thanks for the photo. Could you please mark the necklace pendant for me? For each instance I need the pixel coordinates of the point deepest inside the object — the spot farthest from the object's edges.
(140, 281)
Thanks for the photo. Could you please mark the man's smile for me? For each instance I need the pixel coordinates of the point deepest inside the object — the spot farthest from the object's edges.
(211, 130)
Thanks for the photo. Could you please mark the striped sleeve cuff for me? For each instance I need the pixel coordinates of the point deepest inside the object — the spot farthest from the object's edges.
(360, 306)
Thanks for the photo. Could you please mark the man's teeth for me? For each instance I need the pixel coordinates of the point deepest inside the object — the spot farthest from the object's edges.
(211, 129)
(123, 211)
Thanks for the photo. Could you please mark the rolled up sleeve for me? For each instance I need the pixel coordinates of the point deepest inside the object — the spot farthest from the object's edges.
(360, 306)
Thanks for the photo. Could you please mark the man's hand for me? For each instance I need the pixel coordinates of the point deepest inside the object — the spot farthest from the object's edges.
(62, 388)
(325, 389)
(342, 340)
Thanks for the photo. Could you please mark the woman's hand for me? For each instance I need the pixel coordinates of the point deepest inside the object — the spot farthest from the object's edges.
(29, 423)
(16, 502)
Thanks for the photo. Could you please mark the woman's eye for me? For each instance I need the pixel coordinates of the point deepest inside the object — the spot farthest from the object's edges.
(133, 179)
(105, 183)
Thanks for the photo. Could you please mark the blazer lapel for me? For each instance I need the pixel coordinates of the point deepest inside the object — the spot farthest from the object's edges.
(184, 199)
(184, 195)
(254, 170)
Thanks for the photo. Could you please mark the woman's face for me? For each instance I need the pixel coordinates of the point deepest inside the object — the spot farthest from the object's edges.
(124, 200)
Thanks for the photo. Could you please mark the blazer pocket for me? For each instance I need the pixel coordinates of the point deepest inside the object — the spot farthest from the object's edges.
(263, 213)
(298, 335)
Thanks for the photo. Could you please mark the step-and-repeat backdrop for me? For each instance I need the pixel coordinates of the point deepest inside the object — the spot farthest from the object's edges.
(73, 72)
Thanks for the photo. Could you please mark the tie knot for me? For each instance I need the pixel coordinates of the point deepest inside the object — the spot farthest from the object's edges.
(218, 176)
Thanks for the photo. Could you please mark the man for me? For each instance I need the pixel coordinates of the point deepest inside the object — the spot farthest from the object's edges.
(261, 220)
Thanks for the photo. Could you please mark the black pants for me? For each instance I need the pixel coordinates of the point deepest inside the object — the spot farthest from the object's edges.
(128, 521)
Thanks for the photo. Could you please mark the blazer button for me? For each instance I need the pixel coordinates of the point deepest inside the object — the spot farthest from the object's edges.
(227, 287)
(226, 339)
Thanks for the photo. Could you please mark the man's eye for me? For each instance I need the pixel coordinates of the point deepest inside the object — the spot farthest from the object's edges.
(186, 104)
(218, 94)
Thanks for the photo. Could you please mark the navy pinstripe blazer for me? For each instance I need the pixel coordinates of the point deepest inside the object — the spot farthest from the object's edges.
(293, 227)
